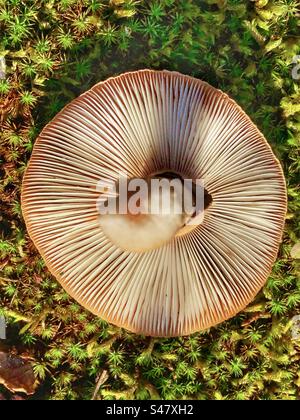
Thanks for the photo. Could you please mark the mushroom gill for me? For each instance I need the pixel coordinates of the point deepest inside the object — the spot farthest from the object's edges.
(181, 279)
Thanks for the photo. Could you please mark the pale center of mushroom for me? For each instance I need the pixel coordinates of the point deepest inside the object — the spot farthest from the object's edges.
(153, 217)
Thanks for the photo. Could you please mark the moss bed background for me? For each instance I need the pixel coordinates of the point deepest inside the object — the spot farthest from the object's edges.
(56, 49)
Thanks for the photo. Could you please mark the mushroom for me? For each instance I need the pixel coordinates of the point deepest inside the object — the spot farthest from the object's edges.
(161, 276)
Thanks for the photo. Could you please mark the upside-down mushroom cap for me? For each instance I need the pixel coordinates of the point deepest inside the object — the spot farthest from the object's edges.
(143, 123)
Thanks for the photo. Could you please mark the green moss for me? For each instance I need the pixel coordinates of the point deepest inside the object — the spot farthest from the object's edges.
(55, 50)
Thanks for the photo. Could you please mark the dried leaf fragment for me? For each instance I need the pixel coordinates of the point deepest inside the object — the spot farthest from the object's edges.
(16, 374)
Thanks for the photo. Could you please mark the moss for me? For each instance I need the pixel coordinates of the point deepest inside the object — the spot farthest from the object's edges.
(53, 51)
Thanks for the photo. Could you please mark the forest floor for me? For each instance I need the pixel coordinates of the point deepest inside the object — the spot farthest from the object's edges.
(53, 50)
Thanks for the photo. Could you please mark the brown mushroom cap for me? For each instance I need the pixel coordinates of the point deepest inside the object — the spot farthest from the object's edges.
(142, 123)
